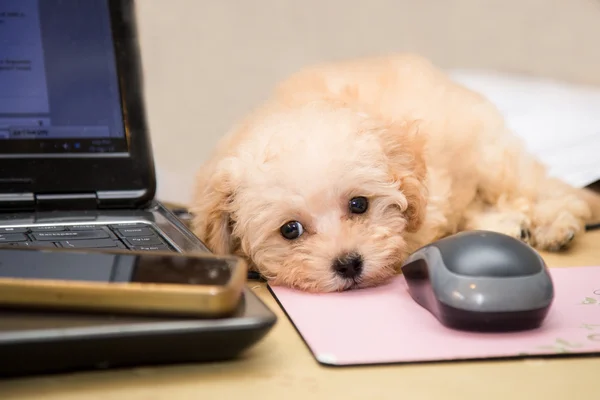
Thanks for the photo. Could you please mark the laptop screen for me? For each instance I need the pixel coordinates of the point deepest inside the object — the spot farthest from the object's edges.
(59, 89)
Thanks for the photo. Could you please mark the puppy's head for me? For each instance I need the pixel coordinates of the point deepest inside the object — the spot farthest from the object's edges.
(317, 197)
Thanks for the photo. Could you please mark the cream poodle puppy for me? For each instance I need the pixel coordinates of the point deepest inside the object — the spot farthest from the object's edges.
(351, 166)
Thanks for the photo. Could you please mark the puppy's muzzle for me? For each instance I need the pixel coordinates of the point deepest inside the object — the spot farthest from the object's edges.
(348, 266)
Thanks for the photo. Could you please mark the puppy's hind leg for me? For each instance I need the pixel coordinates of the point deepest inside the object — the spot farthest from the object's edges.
(558, 216)
(516, 187)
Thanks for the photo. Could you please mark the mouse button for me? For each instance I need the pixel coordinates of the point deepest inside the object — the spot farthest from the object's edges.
(489, 254)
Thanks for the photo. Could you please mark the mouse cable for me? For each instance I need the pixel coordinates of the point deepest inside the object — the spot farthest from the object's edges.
(591, 227)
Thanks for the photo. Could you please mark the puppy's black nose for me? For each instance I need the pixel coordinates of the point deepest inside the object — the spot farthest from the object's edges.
(349, 265)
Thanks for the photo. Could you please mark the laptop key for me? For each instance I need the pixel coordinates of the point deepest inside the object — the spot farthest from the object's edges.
(160, 247)
(35, 244)
(14, 230)
(128, 232)
(90, 244)
(12, 237)
(70, 235)
(48, 228)
(143, 240)
(127, 225)
(85, 227)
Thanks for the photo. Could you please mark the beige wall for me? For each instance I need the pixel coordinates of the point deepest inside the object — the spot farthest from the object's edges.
(209, 61)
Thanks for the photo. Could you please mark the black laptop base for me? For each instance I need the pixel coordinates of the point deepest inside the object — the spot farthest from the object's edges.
(43, 343)
(33, 344)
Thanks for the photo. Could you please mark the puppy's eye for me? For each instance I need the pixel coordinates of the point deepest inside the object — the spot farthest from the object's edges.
(291, 230)
(358, 205)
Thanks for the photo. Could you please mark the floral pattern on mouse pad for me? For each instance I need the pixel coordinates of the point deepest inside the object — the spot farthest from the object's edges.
(384, 325)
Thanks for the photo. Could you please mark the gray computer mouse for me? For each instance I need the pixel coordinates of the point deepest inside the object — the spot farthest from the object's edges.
(481, 281)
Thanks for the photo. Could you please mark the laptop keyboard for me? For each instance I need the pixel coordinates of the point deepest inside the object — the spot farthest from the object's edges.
(133, 236)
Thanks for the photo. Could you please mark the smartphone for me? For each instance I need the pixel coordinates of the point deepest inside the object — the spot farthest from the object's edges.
(119, 281)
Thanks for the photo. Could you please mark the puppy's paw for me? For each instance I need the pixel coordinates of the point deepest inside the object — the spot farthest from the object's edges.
(558, 221)
(515, 225)
(510, 223)
(557, 235)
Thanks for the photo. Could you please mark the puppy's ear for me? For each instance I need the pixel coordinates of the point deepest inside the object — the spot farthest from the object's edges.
(404, 147)
(212, 205)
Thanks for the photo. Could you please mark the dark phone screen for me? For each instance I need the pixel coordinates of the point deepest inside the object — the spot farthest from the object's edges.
(113, 267)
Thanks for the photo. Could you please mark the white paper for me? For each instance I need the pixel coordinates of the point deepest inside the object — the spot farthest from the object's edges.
(559, 122)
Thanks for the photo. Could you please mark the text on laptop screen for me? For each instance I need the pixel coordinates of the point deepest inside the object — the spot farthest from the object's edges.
(59, 90)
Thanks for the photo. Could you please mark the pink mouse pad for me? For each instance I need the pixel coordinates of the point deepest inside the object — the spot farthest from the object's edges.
(385, 325)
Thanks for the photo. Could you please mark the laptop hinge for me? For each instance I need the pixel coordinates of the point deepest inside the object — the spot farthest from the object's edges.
(66, 201)
(17, 201)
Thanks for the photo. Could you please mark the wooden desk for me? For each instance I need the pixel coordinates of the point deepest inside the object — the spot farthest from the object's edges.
(281, 367)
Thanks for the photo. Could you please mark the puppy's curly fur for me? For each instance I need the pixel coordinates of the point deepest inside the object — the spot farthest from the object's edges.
(431, 157)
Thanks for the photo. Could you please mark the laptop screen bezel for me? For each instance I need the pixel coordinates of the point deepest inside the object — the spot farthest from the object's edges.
(132, 172)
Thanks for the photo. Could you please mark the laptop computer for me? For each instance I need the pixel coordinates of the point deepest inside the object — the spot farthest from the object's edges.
(77, 171)
(76, 164)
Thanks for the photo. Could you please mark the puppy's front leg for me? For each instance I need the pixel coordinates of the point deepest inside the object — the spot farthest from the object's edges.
(510, 219)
